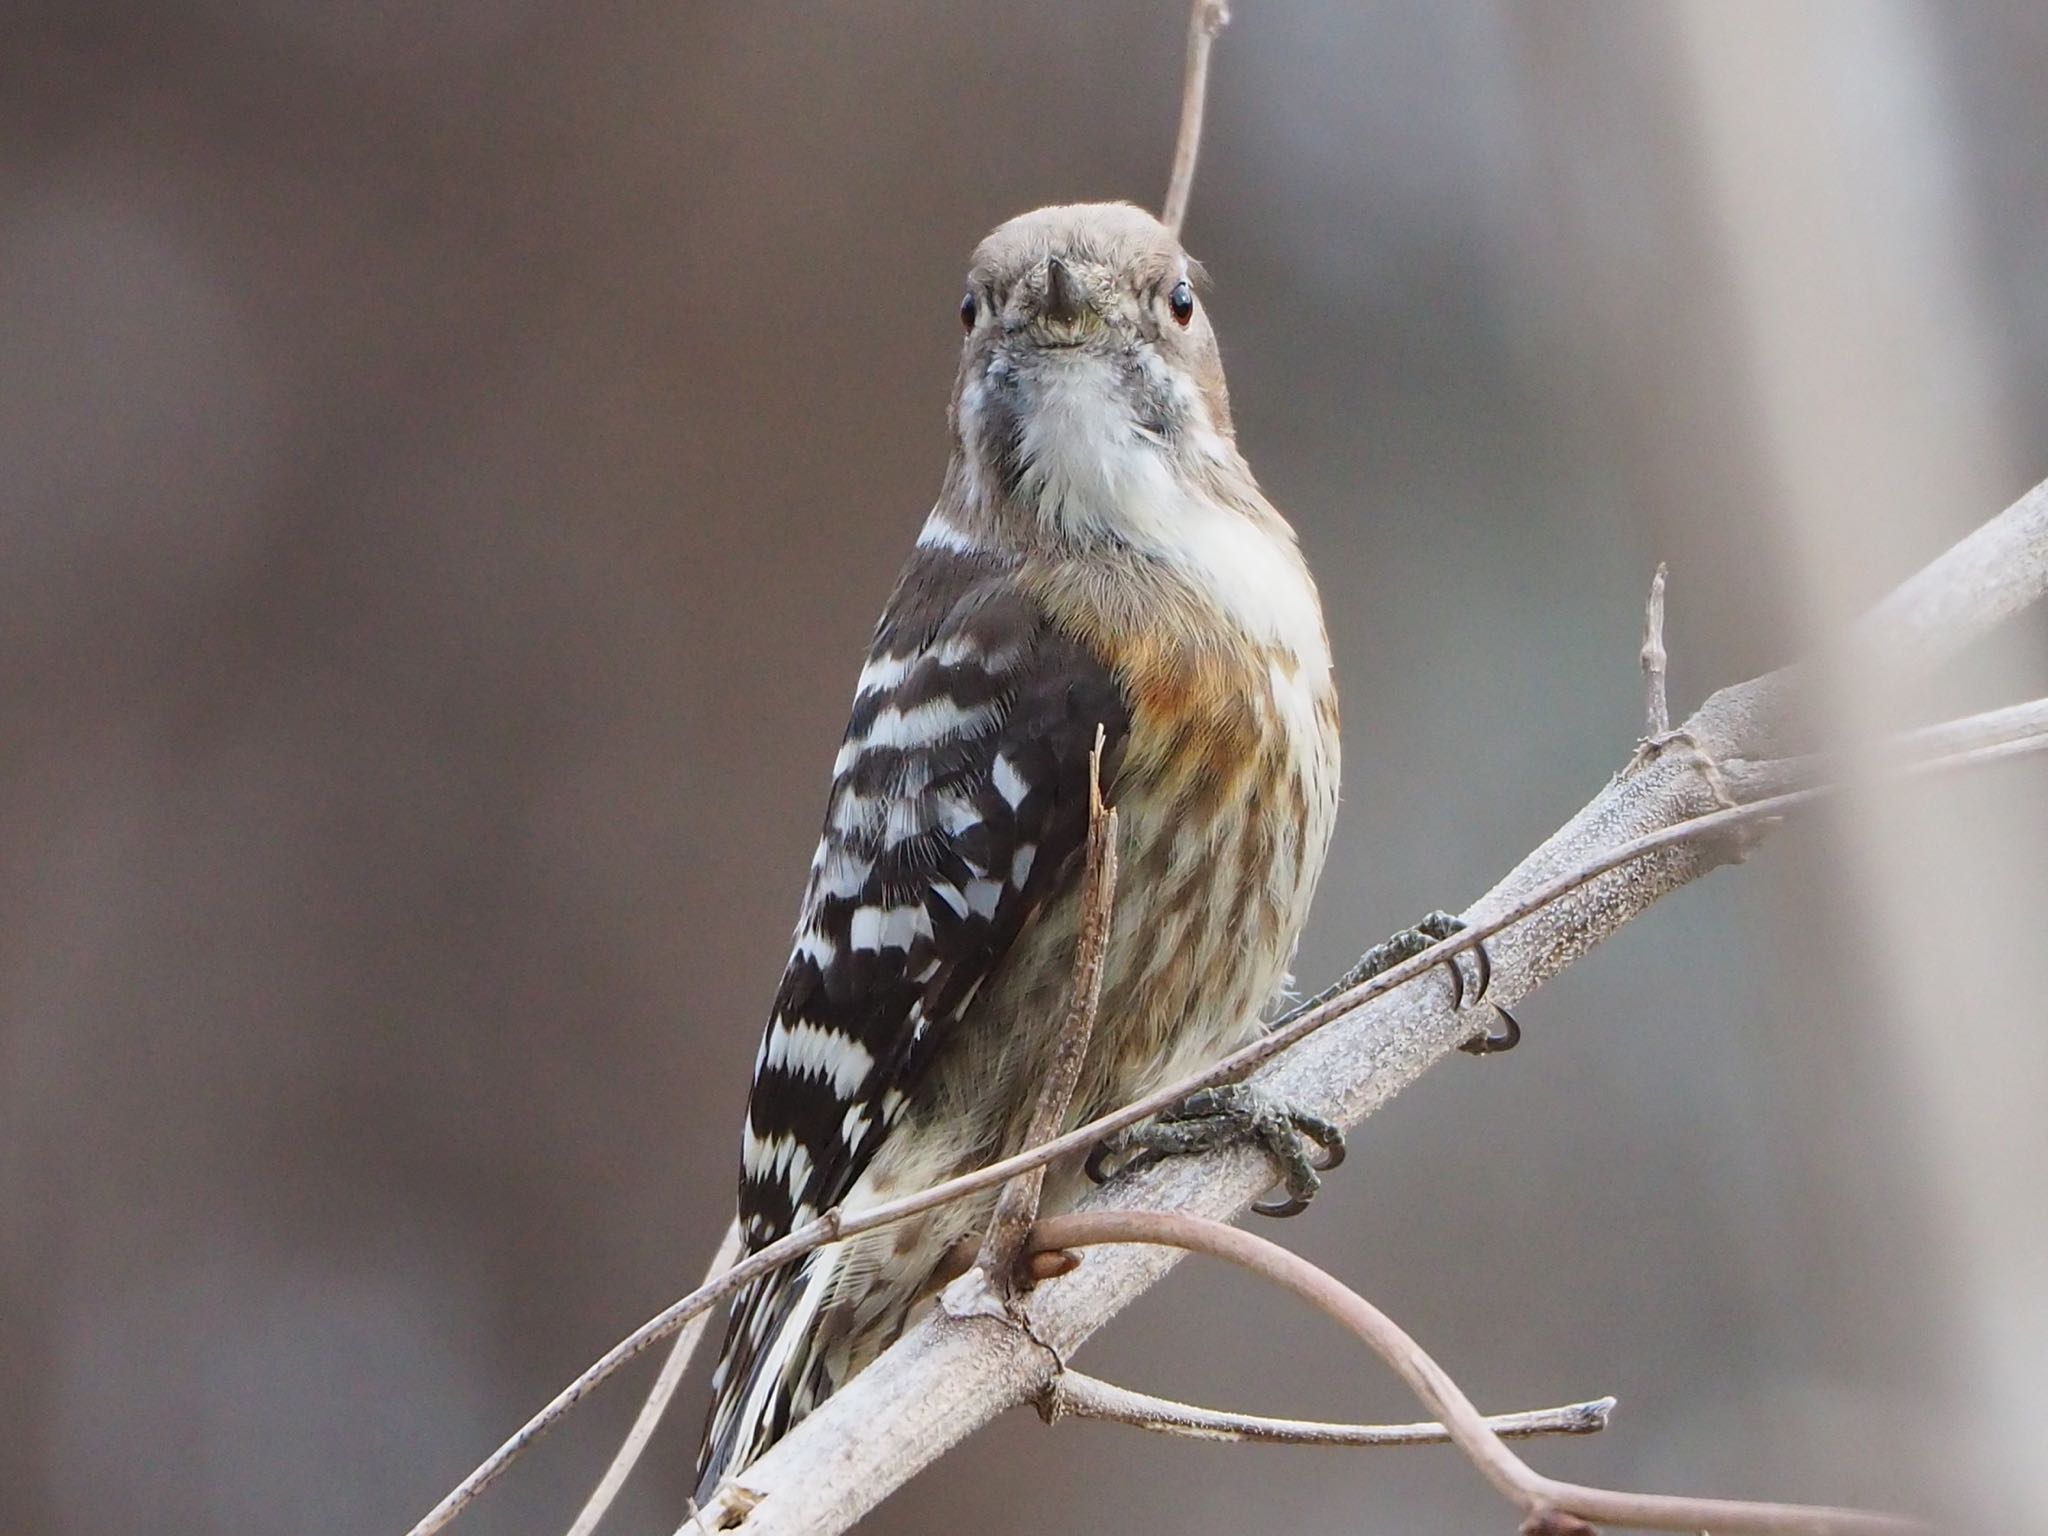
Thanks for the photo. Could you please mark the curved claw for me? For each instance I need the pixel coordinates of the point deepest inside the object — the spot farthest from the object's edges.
(1482, 962)
(1508, 1037)
(1327, 1136)
(1293, 1205)
(1482, 976)
(1333, 1155)
(1093, 1168)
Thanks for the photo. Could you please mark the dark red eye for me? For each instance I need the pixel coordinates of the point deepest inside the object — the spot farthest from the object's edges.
(968, 309)
(1182, 302)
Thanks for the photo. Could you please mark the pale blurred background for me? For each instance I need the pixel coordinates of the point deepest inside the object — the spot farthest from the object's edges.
(451, 458)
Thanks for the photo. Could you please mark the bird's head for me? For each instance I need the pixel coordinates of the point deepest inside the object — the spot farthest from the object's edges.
(1088, 357)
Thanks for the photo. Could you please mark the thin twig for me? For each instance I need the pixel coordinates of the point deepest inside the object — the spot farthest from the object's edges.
(1535, 1495)
(835, 1225)
(658, 1398)
(1656, 704)
(1206, 19)
(1073, 1395)
(1017, 1207)
(1748, 779)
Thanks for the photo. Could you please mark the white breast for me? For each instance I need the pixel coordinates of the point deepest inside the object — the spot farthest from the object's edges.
(1093, 472)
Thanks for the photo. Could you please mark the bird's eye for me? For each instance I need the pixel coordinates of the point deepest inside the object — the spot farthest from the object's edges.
(968, 309)
(1182, 302)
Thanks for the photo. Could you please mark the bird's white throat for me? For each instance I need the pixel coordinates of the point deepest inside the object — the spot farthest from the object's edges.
(1092, 471)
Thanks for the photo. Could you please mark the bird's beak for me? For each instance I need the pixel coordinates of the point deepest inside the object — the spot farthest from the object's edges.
(1064, 302)
(1061, 310)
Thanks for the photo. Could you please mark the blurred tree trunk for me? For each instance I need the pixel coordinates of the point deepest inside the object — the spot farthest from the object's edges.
(1831, 170)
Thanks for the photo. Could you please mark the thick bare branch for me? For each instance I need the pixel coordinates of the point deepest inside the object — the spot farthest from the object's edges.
(1384, 1039)
(951, 1373)
(1996, 727)
(1975, 587)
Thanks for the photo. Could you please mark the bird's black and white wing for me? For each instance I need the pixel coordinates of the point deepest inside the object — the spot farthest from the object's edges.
(958, 808)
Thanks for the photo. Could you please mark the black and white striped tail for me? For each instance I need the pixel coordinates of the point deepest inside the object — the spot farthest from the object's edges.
(771, 1371)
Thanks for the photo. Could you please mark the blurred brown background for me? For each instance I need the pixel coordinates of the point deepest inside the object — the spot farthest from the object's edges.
(453, 455)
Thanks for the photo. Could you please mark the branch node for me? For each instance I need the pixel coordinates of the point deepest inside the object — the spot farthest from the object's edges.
(1550, 1507)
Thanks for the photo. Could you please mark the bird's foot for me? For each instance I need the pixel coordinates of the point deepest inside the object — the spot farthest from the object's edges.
(1230, 1115)
(1406, 945)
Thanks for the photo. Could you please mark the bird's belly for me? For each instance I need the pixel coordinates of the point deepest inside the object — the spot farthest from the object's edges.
(1207, 916)
(1208, 909)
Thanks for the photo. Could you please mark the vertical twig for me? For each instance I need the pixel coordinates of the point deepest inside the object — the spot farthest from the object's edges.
(1656, 705)
(1017, 1207)
(1207, 19)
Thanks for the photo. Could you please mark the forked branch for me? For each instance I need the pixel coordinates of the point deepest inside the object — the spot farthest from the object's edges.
(1540, 1499)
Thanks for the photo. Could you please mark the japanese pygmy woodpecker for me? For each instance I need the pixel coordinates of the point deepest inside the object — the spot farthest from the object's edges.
(1100, 559)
